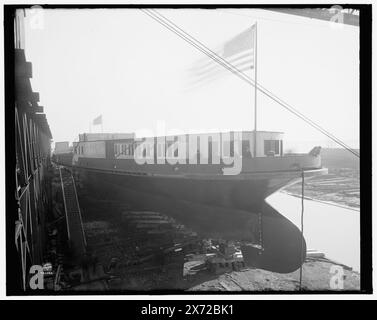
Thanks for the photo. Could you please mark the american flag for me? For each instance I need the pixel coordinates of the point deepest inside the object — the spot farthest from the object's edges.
(238, 51)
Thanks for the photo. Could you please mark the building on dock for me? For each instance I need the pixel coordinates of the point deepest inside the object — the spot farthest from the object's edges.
(62, 147)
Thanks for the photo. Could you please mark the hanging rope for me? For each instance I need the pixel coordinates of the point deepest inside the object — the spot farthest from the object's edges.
(260, 217)
(302, 225)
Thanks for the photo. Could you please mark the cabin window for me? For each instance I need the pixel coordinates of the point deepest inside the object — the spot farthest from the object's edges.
(160, 150)
(126, 149)
(227, 148)
(213, 150)
(271, 147)
(170, 149)
(232, 148)
(246, 151)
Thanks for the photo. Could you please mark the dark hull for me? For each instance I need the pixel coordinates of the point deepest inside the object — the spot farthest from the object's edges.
(225, 208)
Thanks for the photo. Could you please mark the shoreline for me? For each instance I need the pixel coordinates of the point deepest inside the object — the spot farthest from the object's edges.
(343, 206)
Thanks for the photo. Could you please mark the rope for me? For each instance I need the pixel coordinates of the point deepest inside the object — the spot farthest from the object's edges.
(168, 24)
(302, 226)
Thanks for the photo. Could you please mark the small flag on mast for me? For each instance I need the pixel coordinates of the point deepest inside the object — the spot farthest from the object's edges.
(97, 120)
(238, 51)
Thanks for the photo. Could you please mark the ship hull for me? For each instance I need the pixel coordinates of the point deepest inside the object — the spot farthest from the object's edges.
(232, 208)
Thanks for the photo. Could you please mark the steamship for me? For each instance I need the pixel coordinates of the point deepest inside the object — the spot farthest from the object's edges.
(216, 196)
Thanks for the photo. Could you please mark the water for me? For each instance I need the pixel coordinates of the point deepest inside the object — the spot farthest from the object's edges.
(332, 230)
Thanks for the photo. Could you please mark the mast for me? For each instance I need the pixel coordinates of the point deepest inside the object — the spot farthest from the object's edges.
(255, 91)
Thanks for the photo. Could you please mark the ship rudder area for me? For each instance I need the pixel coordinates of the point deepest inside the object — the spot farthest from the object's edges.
(281, 248)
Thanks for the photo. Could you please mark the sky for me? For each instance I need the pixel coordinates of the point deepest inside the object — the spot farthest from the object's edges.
(124, 65)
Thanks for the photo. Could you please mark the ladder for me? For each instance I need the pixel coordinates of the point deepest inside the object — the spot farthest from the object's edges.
(75, 227)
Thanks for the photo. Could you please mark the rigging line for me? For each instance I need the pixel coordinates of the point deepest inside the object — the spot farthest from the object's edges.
(250, 81)
(232, 66)
(237, 73)
(213, 56)
(270, 94)
(302, 225)
(241, 75)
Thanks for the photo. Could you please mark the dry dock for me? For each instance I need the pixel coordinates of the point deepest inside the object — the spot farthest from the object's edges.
(127, 262)
(127, 251)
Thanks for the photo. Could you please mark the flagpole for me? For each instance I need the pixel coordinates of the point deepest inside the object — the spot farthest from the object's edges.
(255, 92)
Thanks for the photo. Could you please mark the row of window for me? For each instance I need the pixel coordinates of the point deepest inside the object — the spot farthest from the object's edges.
(79, 150)
(126, 149)
(271, 147)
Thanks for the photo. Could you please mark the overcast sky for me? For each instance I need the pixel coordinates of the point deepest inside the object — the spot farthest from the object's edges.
(127, 67)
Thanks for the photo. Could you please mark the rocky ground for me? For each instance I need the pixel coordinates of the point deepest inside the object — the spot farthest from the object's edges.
(316, 276)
